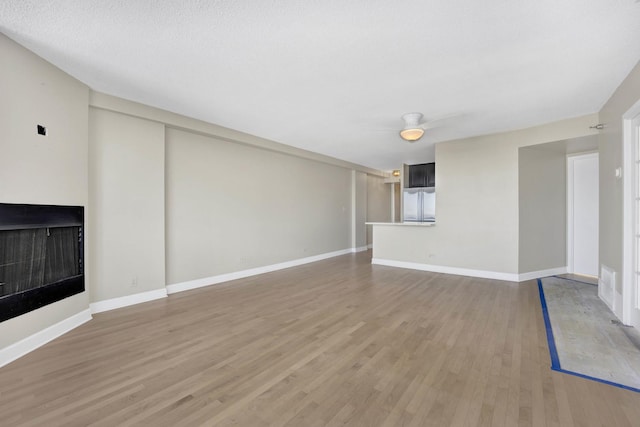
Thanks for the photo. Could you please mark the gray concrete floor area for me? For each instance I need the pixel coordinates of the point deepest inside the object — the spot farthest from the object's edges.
(588, 337)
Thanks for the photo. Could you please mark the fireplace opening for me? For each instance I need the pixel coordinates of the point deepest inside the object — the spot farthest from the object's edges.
(41, 256)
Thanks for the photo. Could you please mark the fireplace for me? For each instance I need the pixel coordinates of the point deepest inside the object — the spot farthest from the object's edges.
(41, 256)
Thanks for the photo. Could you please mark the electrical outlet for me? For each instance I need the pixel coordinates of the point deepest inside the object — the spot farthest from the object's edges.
(134, 282)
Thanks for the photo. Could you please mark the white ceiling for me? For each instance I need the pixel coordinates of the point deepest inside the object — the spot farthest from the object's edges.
(335, 76)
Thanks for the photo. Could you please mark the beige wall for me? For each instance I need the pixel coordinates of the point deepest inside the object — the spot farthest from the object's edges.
(397, 202)
(358, 209)
(477, 211)
(231, 207)
(611, 193)
(378, 203)
(542, 182)
(127, 200)
(38, 169)
(228, 206)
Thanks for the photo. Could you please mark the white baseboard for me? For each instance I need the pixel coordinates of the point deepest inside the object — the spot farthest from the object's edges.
(511, 277)
(370, 246)
(541, 273)
(607, 287)
(113, 303)
(605, 294)
(360, 249)
(27, 345)
(213, 280)
(617, 305)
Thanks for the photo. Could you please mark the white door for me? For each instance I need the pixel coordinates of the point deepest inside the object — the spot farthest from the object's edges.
(583, 225)
(631, 285)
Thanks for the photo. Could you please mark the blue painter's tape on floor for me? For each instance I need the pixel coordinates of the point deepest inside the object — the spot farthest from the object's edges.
(553, 352)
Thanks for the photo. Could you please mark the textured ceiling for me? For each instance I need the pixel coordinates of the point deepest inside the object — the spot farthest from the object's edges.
(336, 76)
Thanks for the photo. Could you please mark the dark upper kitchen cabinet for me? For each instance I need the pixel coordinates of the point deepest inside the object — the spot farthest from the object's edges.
(423, 175)
(417, 176)
(431, 174)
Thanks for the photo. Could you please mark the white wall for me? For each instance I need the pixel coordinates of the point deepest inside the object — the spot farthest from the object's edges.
(542, 208)
(127, 200)
(38, 169)
(232, 207)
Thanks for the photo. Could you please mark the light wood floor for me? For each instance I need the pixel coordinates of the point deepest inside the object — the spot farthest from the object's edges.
(338, 342)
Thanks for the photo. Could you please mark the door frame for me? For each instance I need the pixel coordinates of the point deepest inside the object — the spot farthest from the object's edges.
(571, 158)
(630, 124)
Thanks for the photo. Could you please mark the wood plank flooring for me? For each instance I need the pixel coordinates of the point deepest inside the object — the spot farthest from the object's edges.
(337, 342)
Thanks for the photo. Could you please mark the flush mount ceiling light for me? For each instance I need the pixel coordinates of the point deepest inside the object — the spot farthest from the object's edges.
(413, 129)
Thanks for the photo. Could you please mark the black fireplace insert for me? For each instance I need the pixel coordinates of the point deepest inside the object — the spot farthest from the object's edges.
(41, 256)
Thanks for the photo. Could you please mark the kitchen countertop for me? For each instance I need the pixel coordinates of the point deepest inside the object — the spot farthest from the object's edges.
(404, 224)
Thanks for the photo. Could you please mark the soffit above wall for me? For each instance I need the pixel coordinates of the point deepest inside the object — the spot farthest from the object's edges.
(111, 103)
(577, 145)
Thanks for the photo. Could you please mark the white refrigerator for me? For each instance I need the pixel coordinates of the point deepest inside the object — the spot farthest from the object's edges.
(419, 204)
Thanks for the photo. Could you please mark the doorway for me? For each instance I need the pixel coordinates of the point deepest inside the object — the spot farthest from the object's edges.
(582, 214)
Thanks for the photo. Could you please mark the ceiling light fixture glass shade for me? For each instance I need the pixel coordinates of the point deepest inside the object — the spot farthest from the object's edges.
(412, 131)
(412, 134)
